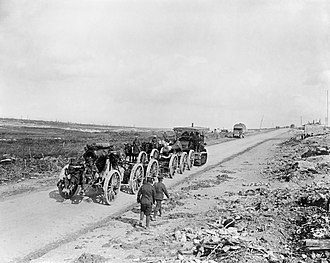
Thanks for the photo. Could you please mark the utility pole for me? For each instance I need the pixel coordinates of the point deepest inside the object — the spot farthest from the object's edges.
(261, 122)
(327, 120)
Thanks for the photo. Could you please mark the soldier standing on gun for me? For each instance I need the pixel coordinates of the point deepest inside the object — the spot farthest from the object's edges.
(146, 197)
(160, 189)
(155, 142)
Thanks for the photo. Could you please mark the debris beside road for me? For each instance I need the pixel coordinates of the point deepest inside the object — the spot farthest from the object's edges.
(7, 158)
(279, 218)
(90, 258)
(263, 224)
(315, 151)
(300, 159)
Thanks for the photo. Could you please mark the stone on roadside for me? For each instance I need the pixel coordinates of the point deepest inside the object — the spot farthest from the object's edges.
(177, 235)
(305, 166)
(226, 248)
(216, 239)
(230, 222)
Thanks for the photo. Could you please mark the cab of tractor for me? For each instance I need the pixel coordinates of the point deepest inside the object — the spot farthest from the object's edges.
(191, 138)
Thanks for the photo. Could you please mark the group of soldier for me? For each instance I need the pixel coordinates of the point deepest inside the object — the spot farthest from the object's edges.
(155, 142)
(148, 195)
(153, 194)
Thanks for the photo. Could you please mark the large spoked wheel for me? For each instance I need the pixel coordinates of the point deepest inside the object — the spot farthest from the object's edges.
(183, 162)
(136, 178)
(154, 154)
(173, 165)
(204, 158)
(142, 157)
(67, 188)
(191, 159)
(152, 168)
(67, 185)
(111, 186)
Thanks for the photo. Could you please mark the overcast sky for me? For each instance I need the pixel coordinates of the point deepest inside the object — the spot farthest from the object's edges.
(165, 63)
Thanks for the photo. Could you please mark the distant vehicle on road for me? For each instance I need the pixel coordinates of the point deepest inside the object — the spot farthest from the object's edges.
(239, 130)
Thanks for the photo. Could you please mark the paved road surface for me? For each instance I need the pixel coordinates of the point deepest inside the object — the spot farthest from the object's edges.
(41, 220)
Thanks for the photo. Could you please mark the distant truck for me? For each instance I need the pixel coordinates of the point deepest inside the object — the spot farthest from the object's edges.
(313, 129)
(239, 130)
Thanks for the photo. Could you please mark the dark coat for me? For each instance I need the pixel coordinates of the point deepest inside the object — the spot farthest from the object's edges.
(146, 194)
(160, 189)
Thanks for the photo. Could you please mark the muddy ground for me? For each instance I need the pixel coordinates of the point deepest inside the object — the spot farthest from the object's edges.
(260, 206)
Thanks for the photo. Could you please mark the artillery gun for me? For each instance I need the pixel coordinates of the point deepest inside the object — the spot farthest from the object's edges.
(98, 169)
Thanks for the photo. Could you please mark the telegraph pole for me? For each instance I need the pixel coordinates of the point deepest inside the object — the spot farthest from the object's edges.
(327, 120)
(261, 122)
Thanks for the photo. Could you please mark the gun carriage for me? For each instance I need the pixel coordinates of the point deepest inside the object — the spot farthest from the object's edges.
(99, 169)
(146, 156)
(152, 155)
(171, 158)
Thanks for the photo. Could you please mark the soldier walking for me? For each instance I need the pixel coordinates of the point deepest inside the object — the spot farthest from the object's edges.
(146, 197)
(160, 189)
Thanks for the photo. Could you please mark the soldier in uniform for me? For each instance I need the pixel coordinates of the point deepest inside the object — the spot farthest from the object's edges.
(160, 189)
(146, 198)
(136, 147)
(155, 142)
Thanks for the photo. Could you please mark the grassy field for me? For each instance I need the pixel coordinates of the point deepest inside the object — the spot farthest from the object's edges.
(42, 148)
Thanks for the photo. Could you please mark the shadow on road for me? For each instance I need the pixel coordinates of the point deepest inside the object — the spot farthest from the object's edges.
(89, 196)
(125, 189)
(131, 221)
(56, 195)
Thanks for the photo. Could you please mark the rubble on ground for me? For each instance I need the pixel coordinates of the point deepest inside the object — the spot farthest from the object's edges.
(90, 258)
(300, 159)
(7, 158)
(238, 231)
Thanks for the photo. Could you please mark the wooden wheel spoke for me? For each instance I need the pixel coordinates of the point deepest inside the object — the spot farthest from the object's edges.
(136, 177)
(111, 186)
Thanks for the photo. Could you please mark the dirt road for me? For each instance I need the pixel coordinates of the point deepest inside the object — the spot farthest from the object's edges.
(37, 223)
